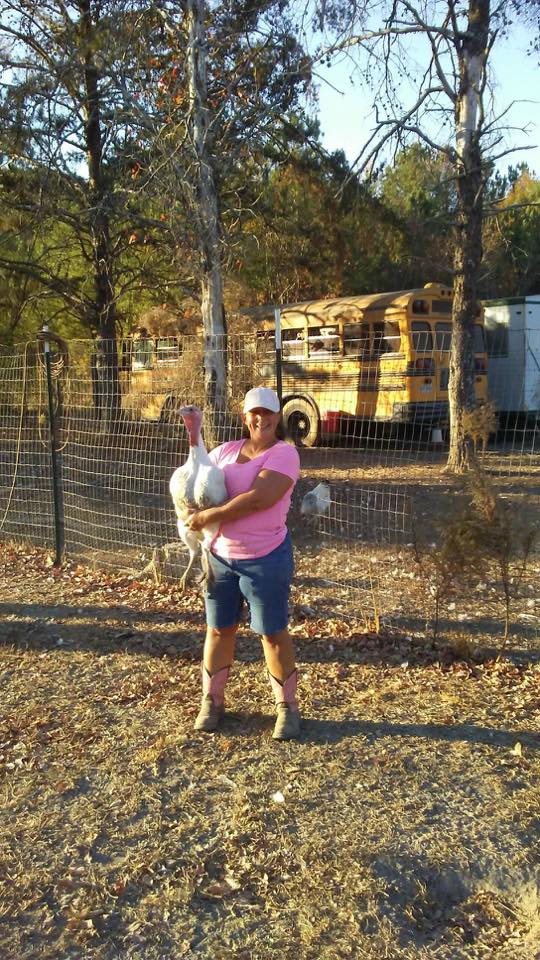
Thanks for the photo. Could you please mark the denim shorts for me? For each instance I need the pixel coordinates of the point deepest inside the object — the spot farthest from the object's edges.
(264, 583)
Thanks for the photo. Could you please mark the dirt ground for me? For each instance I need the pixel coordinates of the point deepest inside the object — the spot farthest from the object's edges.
(404, 824)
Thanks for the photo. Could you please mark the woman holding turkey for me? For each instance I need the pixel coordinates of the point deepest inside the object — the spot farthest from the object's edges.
(251, 560)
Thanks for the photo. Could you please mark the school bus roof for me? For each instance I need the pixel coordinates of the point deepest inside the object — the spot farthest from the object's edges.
(324, 311)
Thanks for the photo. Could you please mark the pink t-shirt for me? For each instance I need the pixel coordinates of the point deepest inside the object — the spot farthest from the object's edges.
(259, 533)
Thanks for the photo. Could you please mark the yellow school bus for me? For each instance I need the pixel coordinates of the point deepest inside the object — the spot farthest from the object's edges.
(159, 374)
(381, 357)
(152, 369)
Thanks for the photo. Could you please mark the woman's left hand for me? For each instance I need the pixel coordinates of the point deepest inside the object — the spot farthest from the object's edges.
(196, 521)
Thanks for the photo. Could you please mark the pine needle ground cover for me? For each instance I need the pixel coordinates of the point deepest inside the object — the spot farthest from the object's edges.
(405, 824)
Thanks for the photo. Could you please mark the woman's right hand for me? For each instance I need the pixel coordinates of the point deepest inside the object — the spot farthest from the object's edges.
(198, 519)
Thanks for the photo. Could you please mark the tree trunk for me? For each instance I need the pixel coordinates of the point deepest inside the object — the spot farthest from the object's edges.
(104, 319)
(472, 50)
(207, 221)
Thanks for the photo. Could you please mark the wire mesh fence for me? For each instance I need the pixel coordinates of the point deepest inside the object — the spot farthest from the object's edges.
(358, 554)
(26, 505)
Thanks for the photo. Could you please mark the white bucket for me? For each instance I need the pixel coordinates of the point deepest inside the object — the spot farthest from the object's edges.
(436, 435)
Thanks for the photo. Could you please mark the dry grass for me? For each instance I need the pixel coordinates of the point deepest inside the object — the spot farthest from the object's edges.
(404, 825)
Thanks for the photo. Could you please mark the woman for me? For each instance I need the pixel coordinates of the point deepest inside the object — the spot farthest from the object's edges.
(252, 560)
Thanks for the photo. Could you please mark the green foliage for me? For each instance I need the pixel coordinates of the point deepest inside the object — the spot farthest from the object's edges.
(312, 234)
(295, 223)
(418, 189)
(132, 191)
(512, 237)
(292, 248)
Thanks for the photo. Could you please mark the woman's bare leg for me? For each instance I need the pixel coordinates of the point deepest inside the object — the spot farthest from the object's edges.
(279, 654)
(219, 647)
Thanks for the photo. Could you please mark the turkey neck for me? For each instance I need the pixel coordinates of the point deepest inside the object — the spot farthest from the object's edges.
(196, 442)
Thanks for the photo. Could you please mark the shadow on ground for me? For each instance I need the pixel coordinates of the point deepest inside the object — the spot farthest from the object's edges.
(332, 731)
(124, 629)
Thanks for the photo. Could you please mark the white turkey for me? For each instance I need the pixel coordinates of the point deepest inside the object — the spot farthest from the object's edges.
(197, 485)
(317, 501)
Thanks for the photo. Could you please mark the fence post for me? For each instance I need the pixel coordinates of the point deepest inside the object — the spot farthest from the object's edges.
(279, 381)
(55, 471)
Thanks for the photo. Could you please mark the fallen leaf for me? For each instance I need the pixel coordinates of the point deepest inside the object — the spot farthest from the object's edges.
(220, 889)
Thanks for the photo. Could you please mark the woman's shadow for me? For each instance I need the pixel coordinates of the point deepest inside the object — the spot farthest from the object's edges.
(239, 723)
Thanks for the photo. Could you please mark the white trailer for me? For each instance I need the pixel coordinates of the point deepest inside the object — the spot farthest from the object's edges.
(512, 329)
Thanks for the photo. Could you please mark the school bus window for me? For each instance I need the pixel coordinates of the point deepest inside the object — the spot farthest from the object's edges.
(167, 350)
(443, 336)
(441, 306)
(331, 344)
(420, 306)
(142, 354)
(293, 343)
(315, 346)
(127, 355)
(323, 341)
(266, 342)
(392, 337)
(380, 345)
(330, 338)
(356, 340)
(422, 340)
(314, 341)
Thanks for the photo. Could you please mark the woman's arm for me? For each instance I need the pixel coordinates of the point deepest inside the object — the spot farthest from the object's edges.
(269, 487)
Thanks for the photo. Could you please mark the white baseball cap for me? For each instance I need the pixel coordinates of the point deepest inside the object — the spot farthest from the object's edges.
(262, 397)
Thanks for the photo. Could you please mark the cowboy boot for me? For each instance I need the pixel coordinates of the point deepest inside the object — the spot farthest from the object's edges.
(212, 708)
(288, 716)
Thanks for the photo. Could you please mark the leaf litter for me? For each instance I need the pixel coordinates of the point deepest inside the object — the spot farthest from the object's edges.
(404, 824)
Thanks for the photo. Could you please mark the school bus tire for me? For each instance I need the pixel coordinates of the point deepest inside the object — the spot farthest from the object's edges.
(302, 422)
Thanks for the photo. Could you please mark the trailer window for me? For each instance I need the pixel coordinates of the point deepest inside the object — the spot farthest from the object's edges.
(497, 340)
(479, 345)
